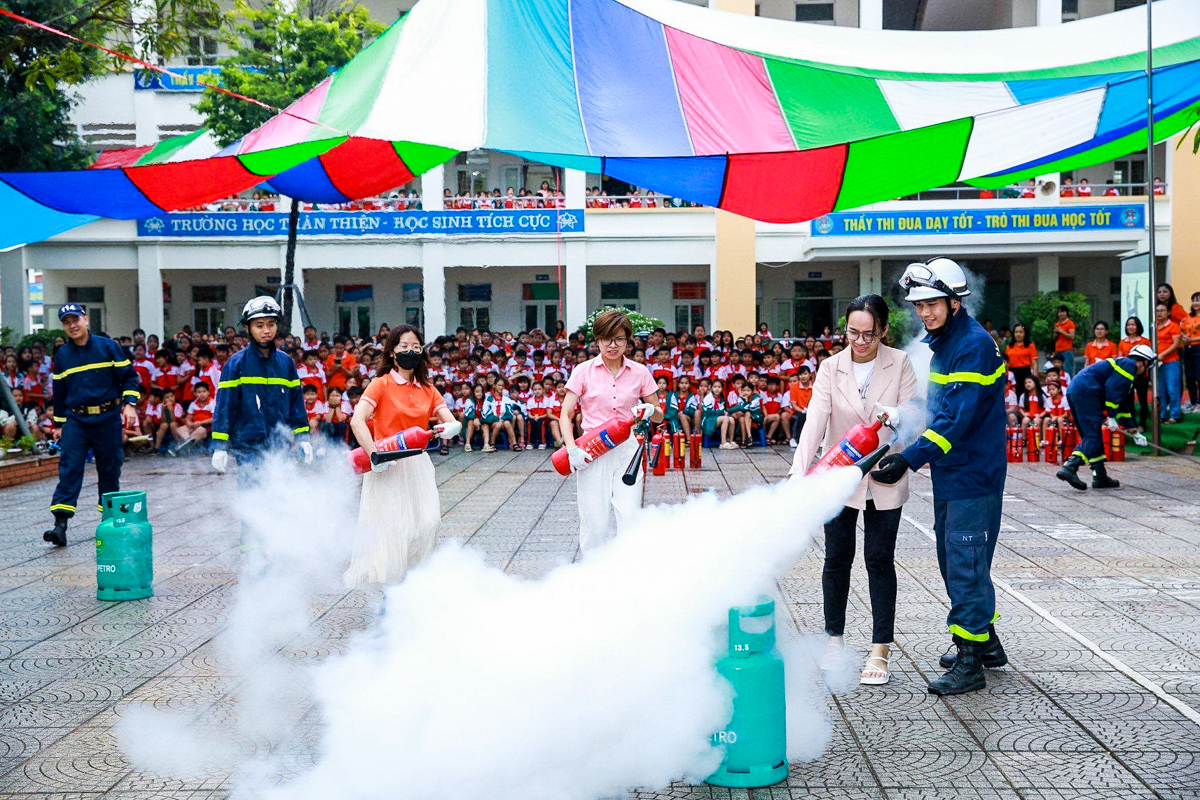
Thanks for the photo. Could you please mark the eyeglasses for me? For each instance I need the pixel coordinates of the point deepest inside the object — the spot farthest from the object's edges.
(922, 275)
(416, 348)
(861, 336)
(612, 342)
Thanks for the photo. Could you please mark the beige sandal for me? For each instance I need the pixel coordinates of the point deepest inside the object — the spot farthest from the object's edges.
(875, 678)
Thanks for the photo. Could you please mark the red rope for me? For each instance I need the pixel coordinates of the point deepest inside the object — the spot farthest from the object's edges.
(165, 71)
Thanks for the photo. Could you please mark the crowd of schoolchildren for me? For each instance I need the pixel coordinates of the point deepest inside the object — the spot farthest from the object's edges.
(507, 390)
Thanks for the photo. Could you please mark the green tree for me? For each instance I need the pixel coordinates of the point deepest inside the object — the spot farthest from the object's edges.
(38, 68)
(1039, 313)
(279, 53)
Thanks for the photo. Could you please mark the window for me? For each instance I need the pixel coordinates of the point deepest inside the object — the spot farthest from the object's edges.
(208, 308)
(202, 51)
(475, 306)
(620, 294)
(689, 300)
(92, 300)
(355, 303)
(414, 304)
(812, 310)
(540, 301)
(1066, 283)
(814, 12)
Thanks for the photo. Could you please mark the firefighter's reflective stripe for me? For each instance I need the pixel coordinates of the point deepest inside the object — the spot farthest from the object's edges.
(301, 429)
(131, 393)
(85, 367)
(60, 419)
(959, 630)
(220, 437)
(1087, 460)
(259, 381)
(937, 439)
(1118, 368)
(1111, 404)
(968, 377)
(63, 507)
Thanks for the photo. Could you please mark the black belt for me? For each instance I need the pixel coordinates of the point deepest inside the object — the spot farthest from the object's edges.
(107, 405)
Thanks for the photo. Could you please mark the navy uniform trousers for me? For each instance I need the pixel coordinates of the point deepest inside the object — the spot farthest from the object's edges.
(102, 435)
(966, 533)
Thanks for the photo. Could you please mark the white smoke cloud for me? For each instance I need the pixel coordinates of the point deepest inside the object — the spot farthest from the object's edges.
(595, 679)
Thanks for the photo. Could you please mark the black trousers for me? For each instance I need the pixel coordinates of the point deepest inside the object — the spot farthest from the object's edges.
(1140, 391)
(879, 551)
(798, 418)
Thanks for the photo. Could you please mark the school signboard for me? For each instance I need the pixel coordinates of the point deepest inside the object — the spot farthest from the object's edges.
(363, 223)
(982, 220)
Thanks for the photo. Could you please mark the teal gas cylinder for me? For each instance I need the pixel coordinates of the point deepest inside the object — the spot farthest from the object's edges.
(755, 739)
(124, 557)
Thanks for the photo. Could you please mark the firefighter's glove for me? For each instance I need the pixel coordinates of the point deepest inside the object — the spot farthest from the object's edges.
(577, 457)
(1140, 440)
(307, 452)
(643, 411)
(892, 468)
(1111, 422)
(448, 430)
(220, 461)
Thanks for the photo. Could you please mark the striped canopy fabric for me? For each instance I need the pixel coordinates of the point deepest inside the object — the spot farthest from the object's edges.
(774, 120)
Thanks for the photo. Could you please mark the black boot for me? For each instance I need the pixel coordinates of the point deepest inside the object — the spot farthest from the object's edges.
(967, 673)
(57, 535)
(1067, 472)
(991, 653)
(1100, 479)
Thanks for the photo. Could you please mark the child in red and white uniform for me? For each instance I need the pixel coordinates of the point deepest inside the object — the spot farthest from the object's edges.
(777, 408)
(312, 373)
(143, 366)
(152, 417)
(1057, 410)
(662, 369)
(314, 407)
(207, 372)
(541, 423)
(1030, 404)
(165, 374)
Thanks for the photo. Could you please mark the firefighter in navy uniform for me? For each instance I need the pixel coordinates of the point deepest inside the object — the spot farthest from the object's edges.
(1095, 393)
(95, 389)
(964, 447)
(259, 397)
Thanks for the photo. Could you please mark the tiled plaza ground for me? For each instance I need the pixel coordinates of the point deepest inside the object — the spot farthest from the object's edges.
(1118, 572)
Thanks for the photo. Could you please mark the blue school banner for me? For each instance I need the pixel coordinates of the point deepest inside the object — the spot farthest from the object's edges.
(981, 220)
(180, 79)
(362, 223)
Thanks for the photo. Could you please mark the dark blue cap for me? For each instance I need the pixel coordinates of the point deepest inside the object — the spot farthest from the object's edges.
(68, 309)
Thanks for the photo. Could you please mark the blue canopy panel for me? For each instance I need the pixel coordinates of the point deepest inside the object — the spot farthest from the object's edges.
(102, 192)
(26, 220)
(307, 181)
(699, 179)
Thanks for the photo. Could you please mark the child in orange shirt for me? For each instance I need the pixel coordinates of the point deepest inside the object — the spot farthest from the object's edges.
(800, 395)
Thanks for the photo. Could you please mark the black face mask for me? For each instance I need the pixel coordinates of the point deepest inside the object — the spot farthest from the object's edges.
(408, 360)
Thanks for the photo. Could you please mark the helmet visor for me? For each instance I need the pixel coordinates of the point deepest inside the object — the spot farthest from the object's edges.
(921, 275)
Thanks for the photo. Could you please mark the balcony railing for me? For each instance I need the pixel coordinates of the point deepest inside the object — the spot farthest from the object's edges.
(1025, 191)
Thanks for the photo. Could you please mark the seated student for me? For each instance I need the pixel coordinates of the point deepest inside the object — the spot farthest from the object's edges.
(335, 423)
(175, 418)
(686, 400)
(472, 409)
(697, 404)
(715, 416)
(800, 388)
(25, 410)
(669, 403)
(499, 411)
(538, 407)
(153, 423)
(312, 374)
(1012, 406)
(554, 407)
(662, 368)
(776, 410)
(314, 408)
(752, 412)
(1057, 410)
(1030, 404)
(521, 396)
(200, 413)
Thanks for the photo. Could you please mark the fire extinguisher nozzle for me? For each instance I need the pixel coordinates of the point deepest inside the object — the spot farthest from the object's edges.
(870, 461)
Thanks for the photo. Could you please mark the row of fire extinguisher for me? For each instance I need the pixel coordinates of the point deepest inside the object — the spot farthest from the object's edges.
(1030, 446)
(667, 450)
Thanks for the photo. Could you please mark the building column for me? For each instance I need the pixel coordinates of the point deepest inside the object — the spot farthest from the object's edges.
(1183, 189)
(870, 276)
(14, 292)
(575, 188)
(1047, 273)
(433, 280)
(150, 292)
(433, 183)
(733, 273)
(870, 15)
(576, 302)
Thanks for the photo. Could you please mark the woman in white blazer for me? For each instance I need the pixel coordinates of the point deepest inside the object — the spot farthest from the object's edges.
(848, 387)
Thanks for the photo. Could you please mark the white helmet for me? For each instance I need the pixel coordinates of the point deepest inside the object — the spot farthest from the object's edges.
(258, 307)
(937, 277)
(1144, 352)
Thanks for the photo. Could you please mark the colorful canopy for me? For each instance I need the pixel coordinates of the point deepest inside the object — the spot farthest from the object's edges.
(774, 120)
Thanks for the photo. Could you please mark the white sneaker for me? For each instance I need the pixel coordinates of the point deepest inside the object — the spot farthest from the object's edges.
(542, 446)
(792, 443)
(467, 447)
(488, 448)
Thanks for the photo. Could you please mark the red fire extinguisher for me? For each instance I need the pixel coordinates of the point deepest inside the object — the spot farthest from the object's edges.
(677, 449)
(410, 440)
(1070, 438)
(1118, 445)
(1010, 441)
(695, 443)
(1106, 435)
(1050, 447)
(858, 443)
(595, 443)
(1031, 445)
(658, 459)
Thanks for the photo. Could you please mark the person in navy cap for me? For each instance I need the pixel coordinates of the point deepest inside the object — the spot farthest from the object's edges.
(95, 388)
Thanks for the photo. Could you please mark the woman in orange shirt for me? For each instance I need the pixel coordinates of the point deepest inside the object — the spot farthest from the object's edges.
(1022, 355)
(1170, 372)
(399, 512)
(1134, 331)
(1100, 347)
(1165, 294)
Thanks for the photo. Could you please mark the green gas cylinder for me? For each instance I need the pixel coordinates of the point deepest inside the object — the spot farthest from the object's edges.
(124, 557)
(755, 740)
